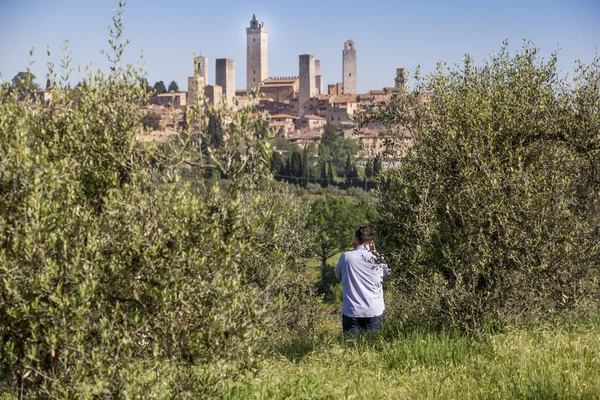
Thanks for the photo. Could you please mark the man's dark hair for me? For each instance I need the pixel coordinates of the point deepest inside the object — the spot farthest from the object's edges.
(364, 234)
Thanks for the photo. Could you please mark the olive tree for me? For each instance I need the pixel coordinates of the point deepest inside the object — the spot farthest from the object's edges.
(493, 213)
(125, 271)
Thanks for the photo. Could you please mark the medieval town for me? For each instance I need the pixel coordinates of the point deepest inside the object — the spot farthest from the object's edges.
(298, 106)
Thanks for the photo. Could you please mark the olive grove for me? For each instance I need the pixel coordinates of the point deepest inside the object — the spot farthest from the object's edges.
(125, 270)
(492, 215)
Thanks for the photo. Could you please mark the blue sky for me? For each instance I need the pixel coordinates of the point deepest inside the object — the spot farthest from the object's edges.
(387, 33)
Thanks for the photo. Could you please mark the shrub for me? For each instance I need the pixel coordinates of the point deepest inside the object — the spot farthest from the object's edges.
(494, 214)
(314, 188)
(151, 121)
(118, 277)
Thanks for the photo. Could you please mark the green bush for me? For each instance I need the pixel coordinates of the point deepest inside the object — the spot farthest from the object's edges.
(151, 121)
(494, 213)
(275, 261)
(121, 279)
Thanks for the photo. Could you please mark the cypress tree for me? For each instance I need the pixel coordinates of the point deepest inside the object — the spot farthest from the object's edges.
(324, 181)
(276, 163)
(369, 169)
(348, 167)
(287, 171)
(377, 165)
(330, 171)
(296, 168)
(305, 168)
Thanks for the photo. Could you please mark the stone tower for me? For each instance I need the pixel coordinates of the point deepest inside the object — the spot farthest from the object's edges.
(349, 67)
(318, 79)
(308, 87)
(401, 80)
(225, 77)
(257, 62)
(199, 80)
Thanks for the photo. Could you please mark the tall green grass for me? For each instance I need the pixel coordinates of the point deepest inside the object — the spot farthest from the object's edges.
(527, 362)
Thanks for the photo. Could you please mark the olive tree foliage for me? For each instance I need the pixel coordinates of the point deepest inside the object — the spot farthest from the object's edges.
(119, 278)
(493, 215)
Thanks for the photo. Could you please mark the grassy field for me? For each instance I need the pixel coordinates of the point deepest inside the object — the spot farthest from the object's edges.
(531, 362)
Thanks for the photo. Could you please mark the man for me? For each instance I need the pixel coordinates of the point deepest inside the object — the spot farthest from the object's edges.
(361, 273)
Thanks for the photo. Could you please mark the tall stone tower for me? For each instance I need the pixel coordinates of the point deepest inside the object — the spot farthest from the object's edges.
(257, 62)
(197, 82)
(401, 80)
(308, 87)
(225, 77)
(318, 78)
(349, 67)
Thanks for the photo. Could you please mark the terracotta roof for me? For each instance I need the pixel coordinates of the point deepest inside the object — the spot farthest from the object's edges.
(376, 92)
(172, 94)
(345, 98)
(280, 116)
(306, 136)
(311, 116)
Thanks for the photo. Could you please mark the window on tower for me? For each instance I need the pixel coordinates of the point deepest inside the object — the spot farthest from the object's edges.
(254, 40)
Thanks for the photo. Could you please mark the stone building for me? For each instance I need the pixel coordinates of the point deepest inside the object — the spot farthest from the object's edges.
(311, 123)
(43, 96)
(304, 139)
(342, 109)
(336, 89)
(284, 123)
(225, 77)
(401, 80)
(213, 94)
(349, 68)
(171, 99)
(199, 80)
(277, 107)
(307, 82)
(318, 77)
(257, 63)
(280, 89)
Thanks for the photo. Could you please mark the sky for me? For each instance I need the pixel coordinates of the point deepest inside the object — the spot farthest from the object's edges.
(388, 34)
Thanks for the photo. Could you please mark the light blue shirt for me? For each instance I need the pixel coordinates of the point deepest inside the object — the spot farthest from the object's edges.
(362, 280)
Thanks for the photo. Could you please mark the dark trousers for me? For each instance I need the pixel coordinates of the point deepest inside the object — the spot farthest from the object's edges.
(355, 325)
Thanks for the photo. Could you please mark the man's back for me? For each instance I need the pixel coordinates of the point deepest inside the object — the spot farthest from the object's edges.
(362, 280)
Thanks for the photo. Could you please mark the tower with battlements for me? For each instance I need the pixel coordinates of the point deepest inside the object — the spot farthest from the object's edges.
(349, 67)
(257, 62)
